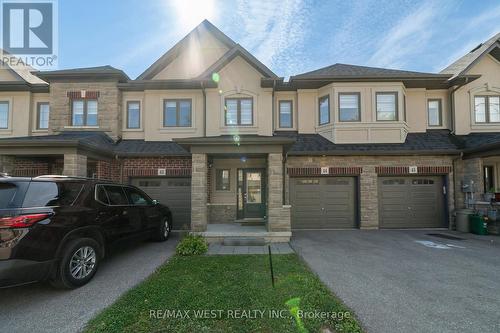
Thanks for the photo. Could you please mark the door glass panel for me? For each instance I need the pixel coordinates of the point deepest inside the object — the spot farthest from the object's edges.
(254, 187)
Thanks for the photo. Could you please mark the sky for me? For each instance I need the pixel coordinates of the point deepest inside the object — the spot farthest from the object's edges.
(288, 36)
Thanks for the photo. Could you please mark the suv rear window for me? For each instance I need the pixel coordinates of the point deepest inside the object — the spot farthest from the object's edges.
(116, 195)
(43, 194)
(12, 194)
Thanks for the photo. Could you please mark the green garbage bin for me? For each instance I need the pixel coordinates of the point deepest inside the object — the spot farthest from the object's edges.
(478, 225)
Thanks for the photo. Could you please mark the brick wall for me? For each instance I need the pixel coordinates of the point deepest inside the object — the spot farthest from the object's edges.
(371, 167)
(32, 167)
(108, 101)
(174, 166)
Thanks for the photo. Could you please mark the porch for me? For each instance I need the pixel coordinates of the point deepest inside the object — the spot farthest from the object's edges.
(237, 186)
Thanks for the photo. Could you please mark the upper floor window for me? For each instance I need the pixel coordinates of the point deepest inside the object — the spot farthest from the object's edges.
(42, 115)
(84, 112)
(4, 115)
(387, 106)
(487, 109)
(177, 113)
(133, 114)
(434, 112)
(286, 114)
(349, 109)
(324, 110)
(239, 111)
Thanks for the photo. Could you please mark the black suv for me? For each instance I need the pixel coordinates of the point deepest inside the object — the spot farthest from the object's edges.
(58, 228)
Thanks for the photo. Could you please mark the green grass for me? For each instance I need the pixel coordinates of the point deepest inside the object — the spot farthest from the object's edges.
(224, 283)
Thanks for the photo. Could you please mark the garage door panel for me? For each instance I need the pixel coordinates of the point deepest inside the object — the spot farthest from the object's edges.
(323, 203)
(174, 193)
(411, 202)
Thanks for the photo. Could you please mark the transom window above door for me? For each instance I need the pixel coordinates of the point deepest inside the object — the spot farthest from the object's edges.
(349, 109)
(238, 111)
(177, 113)
(84, 112)
(487, 109)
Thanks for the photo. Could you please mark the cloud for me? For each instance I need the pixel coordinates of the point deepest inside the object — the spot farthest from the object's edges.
(273, 31)
(409, 36)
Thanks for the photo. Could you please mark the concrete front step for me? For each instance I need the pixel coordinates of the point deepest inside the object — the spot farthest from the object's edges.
(244, 241)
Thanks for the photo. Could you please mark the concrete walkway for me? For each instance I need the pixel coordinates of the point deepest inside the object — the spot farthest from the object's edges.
(276, 248)
(40, 308)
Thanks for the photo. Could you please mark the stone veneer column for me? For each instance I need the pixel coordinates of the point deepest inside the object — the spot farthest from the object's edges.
(75, 165)
(7, 164)
(368, 198)
(199, 197)
(278, 219)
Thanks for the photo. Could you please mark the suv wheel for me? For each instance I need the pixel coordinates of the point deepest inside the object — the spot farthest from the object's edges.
(81, 258)
(161, 234)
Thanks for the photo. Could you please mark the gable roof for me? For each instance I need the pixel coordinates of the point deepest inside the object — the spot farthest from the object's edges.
(462, 65)
(238, 50)
(175, 50)
(21, 70)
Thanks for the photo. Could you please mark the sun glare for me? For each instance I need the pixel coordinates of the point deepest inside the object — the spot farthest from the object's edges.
(190, 13)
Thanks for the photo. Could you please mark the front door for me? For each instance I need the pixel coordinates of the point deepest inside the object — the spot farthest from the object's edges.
(251, 193)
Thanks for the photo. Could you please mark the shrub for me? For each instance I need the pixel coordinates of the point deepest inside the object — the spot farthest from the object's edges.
(191, 245)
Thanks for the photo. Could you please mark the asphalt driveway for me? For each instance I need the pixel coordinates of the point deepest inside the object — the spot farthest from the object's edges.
(41, 308)
(408, 281)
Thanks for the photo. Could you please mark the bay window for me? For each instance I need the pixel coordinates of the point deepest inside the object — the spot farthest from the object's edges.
(387, 106)
(349, 109)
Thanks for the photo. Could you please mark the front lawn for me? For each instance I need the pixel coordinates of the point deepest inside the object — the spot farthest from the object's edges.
(237, 290)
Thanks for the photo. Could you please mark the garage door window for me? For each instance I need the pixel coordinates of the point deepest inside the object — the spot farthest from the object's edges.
(394, 182)
(308, 182)
(422, 182)
(149, 183)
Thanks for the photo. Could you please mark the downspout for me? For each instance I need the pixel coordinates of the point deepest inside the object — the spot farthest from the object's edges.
(452, 104)
(204, 109)
(273, 107)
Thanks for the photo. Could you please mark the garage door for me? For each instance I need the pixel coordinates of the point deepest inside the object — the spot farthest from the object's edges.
(411, 202)
(172, 192)
(323, 202)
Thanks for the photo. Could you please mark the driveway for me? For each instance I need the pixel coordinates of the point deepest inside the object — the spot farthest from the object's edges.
(408, 281)
(41, 308)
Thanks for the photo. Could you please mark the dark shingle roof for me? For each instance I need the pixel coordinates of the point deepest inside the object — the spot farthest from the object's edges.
(148, 148)
(434, 141)
(99, 71)
(97, 141)
(476, 141)
(344, 70)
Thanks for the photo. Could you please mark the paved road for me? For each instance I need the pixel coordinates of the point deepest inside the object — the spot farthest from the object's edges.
(40, 308)
(394, 282)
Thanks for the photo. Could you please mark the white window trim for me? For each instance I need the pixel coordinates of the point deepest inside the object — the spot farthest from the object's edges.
(8, 130)
(239, 94)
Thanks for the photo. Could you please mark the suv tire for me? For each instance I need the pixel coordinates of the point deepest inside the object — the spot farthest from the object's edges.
(79, 263)
(163, 231)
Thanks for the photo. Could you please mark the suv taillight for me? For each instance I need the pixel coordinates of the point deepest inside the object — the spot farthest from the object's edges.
(22, 221)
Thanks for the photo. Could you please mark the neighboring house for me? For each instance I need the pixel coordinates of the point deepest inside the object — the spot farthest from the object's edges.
(216, 135)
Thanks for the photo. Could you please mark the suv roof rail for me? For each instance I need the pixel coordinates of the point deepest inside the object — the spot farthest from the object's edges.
(69, 177)
(4, 174)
